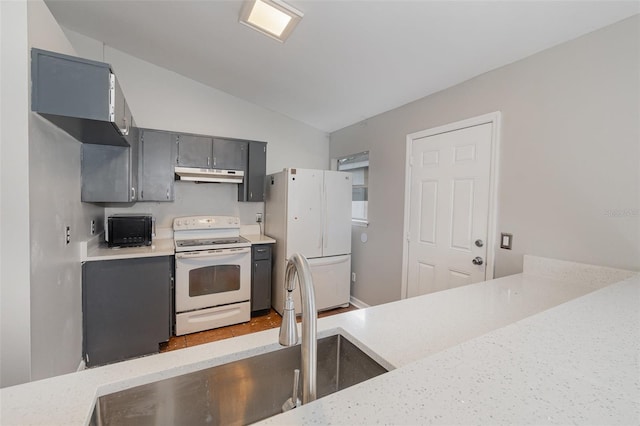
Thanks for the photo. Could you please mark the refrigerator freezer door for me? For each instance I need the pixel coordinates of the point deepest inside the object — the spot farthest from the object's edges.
(337, 213)
(304, 212)
(330, 277)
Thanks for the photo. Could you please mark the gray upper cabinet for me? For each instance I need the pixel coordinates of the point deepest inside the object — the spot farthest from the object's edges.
(194, 151)
(229, 154)
(252, 188)
(110, 173)
(156, 177)
(206, 152)
(81, 96)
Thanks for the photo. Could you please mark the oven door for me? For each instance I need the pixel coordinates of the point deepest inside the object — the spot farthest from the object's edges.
(212, 277)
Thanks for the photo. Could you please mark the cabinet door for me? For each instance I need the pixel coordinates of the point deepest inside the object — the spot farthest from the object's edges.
(256, 172)
(194, 151)
(106, 173)
(261, 279)
(74, 94)
(229, 154)
(126, 307)
(156, 168)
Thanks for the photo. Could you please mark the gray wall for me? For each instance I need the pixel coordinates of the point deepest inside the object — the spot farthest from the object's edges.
(15, 343)
(569, 166)
(54, 203)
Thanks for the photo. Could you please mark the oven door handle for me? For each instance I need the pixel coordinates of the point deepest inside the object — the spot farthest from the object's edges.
(212, 253)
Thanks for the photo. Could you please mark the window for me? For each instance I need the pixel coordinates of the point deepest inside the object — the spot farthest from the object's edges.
(358, 165)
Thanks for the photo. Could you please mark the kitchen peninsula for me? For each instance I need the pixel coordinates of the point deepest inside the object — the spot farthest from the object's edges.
(556, 344)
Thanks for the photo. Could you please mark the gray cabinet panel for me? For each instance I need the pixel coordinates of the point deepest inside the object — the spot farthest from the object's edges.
(105, 173)
(126, 307)
(252, 188)
(194, 151)
(229, 154)
(261, 279)
(74, 94)
(156, 181)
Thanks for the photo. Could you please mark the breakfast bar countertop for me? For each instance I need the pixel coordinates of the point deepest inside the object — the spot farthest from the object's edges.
(556, 344)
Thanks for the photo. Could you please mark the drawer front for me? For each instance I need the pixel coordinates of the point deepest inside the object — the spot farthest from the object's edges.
(261, 252)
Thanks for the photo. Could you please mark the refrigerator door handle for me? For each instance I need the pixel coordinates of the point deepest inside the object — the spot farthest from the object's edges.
(325, 226)
(332, 260)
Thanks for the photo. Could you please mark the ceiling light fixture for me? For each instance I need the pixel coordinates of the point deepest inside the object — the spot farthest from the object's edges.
(273, 18)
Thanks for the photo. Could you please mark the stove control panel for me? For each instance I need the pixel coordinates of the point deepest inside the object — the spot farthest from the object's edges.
(205, 222)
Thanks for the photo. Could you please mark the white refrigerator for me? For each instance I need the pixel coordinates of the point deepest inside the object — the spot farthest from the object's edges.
(309, 212)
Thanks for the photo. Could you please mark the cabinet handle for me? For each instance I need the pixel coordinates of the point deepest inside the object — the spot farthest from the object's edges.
(125, 131)
(133, 193)
(214, 161)
(209, 161)
(167, 193)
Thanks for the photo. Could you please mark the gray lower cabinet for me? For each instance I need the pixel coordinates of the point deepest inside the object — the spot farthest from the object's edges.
(260, 279)
(110, 173)
(156, 177)
(126, 307)
(252, 188)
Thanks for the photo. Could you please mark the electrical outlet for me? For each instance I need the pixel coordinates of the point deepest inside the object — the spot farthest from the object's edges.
(353, 277)
(259, 217)
(93, 227)
(67, 234)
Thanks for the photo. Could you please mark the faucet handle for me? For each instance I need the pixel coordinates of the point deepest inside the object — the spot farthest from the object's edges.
(294, 401)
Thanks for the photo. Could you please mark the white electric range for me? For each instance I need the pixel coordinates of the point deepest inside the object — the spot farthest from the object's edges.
(213, 275)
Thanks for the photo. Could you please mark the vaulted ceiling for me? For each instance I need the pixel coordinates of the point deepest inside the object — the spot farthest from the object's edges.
(346, 60)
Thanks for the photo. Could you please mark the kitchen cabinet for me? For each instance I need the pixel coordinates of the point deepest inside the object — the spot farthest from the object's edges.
(260, 279)
(193, 151)
(81, 96)
(206, 152)
(253, 186)
(110, 173)
(156, 177)
(229, 154)
(126, 307)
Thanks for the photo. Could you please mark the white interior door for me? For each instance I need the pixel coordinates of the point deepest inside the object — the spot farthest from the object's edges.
(449, 209)
(337, 214)
(304, 212)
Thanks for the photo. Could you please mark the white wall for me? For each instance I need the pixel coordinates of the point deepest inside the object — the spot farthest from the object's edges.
(15, 344)
(162, 99)
(570, 158)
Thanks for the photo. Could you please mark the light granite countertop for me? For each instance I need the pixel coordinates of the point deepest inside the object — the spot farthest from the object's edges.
(557, 344)
(162, 245)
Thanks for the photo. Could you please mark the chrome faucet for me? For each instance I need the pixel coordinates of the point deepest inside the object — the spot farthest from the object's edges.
(297, 266)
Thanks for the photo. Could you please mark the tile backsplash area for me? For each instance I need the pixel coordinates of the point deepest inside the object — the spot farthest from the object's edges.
(193, 199)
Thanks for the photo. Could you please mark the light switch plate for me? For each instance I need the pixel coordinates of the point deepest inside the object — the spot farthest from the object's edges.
(506, 240)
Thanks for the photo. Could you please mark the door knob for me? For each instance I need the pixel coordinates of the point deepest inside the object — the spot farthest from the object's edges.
(479, 243)
(477, 261)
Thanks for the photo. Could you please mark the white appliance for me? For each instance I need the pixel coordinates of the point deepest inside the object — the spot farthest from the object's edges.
(213, 273)
(309, 212)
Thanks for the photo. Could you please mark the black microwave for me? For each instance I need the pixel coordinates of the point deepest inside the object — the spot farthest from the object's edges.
(129, 230)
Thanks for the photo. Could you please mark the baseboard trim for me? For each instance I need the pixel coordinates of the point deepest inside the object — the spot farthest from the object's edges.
(358, 303)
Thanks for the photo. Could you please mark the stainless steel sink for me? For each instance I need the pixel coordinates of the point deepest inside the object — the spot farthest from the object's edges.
(240, 392)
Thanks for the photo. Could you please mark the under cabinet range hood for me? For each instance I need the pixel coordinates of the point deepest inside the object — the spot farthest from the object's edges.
(194, 174)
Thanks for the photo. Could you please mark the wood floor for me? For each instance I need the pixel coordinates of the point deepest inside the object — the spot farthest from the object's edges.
(259, 323)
